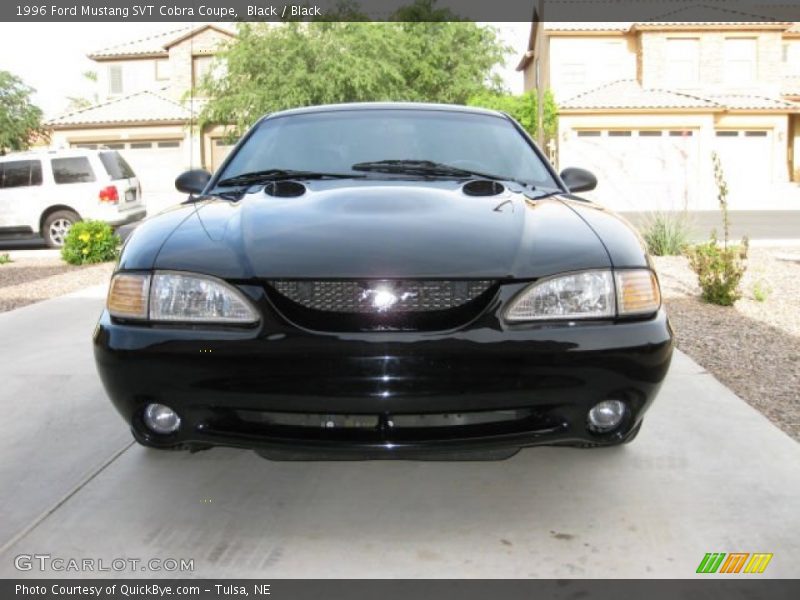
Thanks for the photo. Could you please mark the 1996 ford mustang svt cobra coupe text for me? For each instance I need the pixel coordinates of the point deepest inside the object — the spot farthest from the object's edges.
(384, 281)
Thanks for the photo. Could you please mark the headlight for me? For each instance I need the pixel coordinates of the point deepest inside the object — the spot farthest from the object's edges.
(178, 297)
(587, 295)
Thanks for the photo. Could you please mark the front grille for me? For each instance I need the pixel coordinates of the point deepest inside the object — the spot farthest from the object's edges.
(380, 305)
(369, 297)
(385, 427)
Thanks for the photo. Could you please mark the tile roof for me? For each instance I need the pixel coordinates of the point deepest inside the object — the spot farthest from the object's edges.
(752, 102)
(630, 94)
(587, 26)
(703, 14)
(141, 107)
(154, 44)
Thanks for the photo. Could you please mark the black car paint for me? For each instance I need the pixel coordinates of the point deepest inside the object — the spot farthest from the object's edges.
(366, 229)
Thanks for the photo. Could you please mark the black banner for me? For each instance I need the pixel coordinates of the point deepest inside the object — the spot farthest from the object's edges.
(739, 588)
(718, 11)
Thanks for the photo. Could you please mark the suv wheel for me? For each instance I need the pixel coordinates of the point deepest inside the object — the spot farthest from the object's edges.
(56, 226)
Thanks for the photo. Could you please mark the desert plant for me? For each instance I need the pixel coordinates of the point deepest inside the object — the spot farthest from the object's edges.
(4, 258)
(719, 268)
(90, 242)
(761, 291)
(666, 234)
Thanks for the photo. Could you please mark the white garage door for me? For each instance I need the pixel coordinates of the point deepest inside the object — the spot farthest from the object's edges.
(637, 169)
(156, 162)
(746, 158)
(220, 148)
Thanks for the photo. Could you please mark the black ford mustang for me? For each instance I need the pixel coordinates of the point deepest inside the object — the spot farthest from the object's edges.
(384, 280)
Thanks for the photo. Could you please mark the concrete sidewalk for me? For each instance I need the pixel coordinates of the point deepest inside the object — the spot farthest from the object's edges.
(755, 224)
(707, 474)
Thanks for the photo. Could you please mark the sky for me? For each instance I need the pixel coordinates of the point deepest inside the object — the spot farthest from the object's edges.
(51, 57)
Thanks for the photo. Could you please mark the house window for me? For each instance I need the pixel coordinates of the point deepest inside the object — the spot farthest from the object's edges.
(723, 133)
(681, 133)
(755, 134)
(791, 59)
(619, 133)
(650, 133)
(201, 66)
(170, 144)
(588, 133)
(114, 79)
(162, 70)
(740, 60)
(682, 61)
(141, 145)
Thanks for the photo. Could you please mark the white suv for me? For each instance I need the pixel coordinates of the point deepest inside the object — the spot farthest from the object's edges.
(46, 192)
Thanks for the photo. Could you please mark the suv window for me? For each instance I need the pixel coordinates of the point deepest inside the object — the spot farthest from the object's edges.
(18, 173)
(72, 170)
(116, 166)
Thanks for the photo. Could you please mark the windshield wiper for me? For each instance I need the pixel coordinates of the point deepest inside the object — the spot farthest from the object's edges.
(427, 168)
(268, 175)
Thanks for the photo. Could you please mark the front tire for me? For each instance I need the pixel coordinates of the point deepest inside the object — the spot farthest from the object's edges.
(57, 225)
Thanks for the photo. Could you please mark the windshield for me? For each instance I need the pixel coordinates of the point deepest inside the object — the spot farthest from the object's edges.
(336, 141)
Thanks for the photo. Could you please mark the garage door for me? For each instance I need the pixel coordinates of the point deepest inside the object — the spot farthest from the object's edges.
(219, 152)
(156, 162)
(746, 158)
(637, 169)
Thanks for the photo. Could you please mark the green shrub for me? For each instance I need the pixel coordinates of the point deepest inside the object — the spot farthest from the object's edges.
(4, 258)
(666, 234)
(761, 291)
(90, 242)
(719, 269)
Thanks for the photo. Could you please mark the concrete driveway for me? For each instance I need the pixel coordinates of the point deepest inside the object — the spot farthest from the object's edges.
(707, 474)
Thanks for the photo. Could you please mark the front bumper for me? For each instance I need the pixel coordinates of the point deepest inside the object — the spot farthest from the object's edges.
(220, 381)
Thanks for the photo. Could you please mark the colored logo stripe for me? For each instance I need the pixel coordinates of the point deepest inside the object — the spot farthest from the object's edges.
(734, 562)
(713, 562)
(758, 562)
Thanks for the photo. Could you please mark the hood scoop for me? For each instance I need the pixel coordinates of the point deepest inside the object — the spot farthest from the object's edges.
(285, 189)
(483, 187)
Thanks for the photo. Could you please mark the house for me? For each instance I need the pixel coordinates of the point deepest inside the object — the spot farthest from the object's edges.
(645, 104)
(146, 110)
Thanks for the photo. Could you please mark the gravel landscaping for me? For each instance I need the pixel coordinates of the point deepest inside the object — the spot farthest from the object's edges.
(28, 280)
(752, 347)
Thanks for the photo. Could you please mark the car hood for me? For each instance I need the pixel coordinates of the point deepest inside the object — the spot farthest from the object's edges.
(387, 229)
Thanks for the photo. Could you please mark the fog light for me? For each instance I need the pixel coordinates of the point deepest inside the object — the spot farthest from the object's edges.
(161, 419)
(606, 415)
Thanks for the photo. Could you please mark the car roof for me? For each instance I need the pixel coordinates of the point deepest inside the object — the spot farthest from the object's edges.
(41, 153)
(365, 106)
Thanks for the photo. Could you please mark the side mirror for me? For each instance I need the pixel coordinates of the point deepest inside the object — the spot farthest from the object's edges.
(578, 180)
(192, 182)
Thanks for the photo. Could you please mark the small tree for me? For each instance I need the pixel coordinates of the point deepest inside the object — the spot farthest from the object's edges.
(273, 67)
(20, 120)
(719, 270)
(524, 108)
